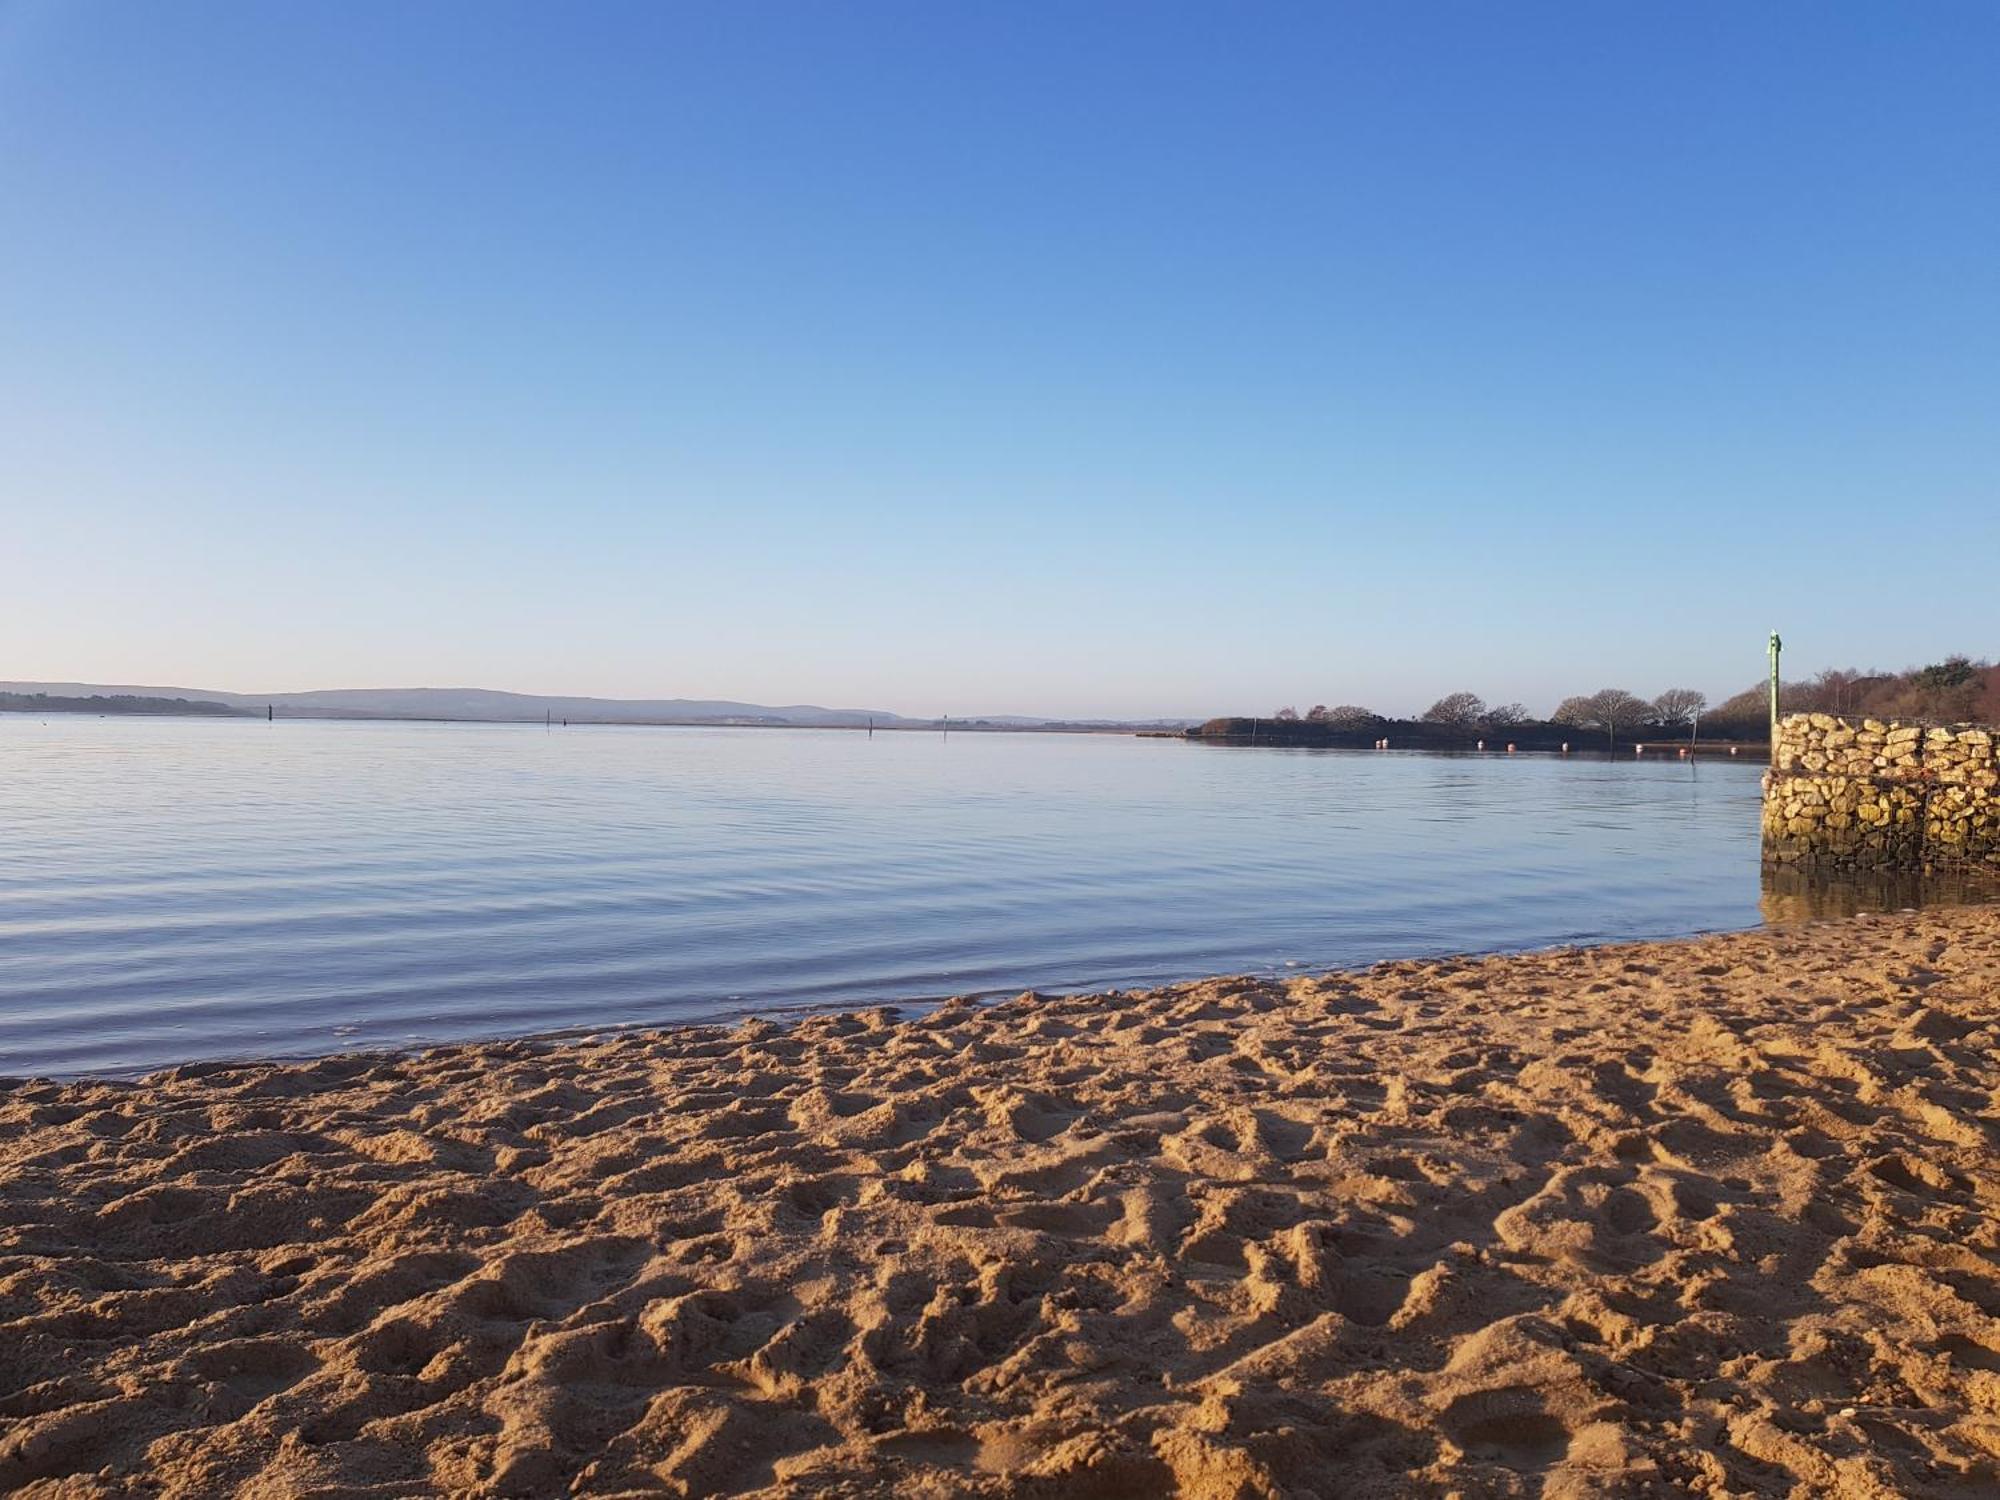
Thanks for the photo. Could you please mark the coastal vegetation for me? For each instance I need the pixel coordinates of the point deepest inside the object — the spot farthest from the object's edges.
(1956, 690)
(1463, 720)
(112, 703)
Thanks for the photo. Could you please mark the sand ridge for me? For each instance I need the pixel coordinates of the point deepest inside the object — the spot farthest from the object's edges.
(1712, 1217)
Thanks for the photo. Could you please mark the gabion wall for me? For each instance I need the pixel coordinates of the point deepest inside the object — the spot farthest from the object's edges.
(1862, 793)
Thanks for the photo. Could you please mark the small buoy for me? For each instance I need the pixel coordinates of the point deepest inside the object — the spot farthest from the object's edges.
(1732, 749)
(1481, 745)
(1684, 752)
(1565, 747)
(1510, 747)
(1638, 749)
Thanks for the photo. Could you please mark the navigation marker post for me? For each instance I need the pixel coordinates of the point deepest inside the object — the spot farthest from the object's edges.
(1777, 647)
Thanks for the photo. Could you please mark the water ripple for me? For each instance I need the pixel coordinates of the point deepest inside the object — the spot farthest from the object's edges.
(182, 889)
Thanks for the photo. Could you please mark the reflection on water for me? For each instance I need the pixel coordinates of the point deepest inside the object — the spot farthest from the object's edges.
(1793, 894)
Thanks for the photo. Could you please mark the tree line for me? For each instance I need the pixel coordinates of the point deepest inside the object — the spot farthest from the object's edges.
(1610, 711)
(1957, 689)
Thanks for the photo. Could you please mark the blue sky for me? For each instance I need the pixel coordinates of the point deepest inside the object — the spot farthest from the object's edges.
(1068, 358)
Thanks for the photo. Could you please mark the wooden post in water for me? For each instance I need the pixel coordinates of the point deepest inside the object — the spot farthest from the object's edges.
(270, 712)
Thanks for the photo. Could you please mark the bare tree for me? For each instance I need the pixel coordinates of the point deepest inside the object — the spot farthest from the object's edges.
(1679, 708)
(1286, 715)
(1619, 709)
(1506, 716)
(1317, 714)
(1608, 709)
(1351, 716)
(1950, 689)
(1459, 710)
(1835, 691)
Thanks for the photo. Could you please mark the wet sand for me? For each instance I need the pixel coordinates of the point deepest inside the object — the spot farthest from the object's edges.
(1713, 1218)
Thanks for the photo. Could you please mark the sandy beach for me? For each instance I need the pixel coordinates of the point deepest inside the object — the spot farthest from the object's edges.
(1713, 1217)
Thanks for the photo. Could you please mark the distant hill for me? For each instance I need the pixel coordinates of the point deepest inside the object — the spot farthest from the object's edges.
(483, 704)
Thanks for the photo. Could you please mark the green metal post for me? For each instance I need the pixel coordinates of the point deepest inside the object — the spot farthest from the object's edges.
(1777, 646)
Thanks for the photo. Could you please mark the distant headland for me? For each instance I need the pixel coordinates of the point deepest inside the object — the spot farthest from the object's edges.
(113, 703)
(489, 706)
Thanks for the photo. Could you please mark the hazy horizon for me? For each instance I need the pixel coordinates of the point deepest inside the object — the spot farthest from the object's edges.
(1124, 361)
(1794, 672)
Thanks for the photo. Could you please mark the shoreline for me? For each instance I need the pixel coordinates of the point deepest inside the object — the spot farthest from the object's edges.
(1140, 730)
(899, 1010)
(1782, 910)
(1704, 1215)
(1792, 898)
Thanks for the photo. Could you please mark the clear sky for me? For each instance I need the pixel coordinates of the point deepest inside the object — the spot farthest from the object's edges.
(1072, 358)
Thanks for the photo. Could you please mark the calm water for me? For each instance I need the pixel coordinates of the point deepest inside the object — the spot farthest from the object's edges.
(178, 889)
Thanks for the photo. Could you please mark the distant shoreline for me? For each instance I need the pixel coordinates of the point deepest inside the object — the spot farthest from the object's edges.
(118, 705)
(1538, 736)
(1401, 735)
(491, 706)
(225, 711)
